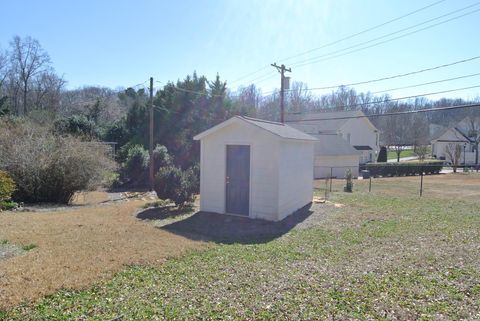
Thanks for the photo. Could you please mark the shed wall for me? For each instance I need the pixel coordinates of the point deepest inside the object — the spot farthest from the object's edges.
(264, 152)
(295, 176)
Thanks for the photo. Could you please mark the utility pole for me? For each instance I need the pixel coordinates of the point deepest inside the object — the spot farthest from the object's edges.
(282, 70)
(151, 135)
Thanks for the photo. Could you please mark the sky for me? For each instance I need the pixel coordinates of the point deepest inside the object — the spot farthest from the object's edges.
(123, 43)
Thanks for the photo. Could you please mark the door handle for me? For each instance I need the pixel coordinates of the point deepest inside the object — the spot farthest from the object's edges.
(228, 180)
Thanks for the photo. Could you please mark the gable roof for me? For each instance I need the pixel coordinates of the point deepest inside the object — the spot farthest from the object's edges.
(333, 145)
(275, 128)
(452, 134)
(326, 121)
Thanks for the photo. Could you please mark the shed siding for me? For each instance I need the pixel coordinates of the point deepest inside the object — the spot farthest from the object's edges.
(264, 148)
(295, 176)
(338, 164)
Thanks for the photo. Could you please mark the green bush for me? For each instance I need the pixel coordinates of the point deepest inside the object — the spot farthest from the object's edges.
(161, 158)
(404, 169)
(135, 171)
(174, 184)
(47, 167)
(382, 155)
(349, 182)
(7, 186)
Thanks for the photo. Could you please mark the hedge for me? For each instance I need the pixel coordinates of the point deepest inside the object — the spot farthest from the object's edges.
(403, 169)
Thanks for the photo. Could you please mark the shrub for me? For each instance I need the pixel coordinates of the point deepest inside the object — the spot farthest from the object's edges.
(135, 170)
(47, 167)
(7, 186)
(382, 155)
(8, 205)
(348, 176)
(161, 158)
(404, 169)
(174, 184)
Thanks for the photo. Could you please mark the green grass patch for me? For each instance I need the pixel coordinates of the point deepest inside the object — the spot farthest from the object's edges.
(391, 154)
(378, 257)
(28, 247)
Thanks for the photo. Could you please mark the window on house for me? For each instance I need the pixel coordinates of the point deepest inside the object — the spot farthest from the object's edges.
(376, 139)
(348, 137)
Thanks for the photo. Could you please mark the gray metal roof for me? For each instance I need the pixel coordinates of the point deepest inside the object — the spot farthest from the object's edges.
(333, 145)
(278, 129)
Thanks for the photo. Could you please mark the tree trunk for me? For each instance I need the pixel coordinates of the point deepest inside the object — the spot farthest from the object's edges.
(25, 85)
(399, 151)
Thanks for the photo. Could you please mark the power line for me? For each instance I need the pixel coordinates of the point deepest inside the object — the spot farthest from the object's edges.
(333, 55)
(364, 31)
(342, 39)
(426, 110)
(406, 97)
(426, 83)
(394, 76)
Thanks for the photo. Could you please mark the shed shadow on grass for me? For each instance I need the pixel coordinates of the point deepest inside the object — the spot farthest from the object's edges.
(229, 229)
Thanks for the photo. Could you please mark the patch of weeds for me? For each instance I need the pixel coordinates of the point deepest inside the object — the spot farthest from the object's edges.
(8, 205)
(4, 242)
(156, 204)
(28, 247)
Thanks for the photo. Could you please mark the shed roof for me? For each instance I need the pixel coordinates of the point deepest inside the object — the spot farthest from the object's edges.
(275, 128)
(333, 145)
(326, 121)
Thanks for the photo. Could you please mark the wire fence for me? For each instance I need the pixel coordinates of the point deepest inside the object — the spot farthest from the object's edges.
(331, 179)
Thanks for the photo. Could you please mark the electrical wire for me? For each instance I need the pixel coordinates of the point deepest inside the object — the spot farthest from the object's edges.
(426, 110)
(391, 77)
(333, 55)
(341, 40)
(397, 99)
(426, 83)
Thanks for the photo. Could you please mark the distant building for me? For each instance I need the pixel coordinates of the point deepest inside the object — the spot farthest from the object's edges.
(465, 134)
(356, 130)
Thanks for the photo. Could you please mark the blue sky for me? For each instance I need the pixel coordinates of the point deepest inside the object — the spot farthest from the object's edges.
(122, 43)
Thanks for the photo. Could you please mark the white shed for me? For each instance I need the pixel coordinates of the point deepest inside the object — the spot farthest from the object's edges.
(334, 156)
(255, 168)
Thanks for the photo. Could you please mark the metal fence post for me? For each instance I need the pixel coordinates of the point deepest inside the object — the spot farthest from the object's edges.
(421, 183)
(331, 176)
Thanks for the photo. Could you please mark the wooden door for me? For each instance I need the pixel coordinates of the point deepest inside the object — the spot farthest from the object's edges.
(238, 179)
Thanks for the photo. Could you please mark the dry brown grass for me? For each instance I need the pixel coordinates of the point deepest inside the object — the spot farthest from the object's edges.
(76, 248)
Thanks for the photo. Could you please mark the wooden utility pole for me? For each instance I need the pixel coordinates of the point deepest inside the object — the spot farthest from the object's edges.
(282, 70)
(151, 135)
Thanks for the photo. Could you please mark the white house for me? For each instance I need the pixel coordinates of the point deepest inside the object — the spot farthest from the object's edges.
(334, 156)
(355, 129)
(255, 168)
(465, 134)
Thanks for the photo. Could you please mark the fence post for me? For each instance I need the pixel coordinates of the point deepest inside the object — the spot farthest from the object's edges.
(326, 189)
(370, 184)
(331, 176)
(421, 183)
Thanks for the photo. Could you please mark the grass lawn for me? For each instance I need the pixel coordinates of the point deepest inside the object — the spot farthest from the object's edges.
(391, 154)
(382, 255)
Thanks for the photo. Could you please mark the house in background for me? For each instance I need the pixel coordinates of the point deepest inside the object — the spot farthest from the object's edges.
(255, 168)
(356, 130)
(464, 134)
(334, 156)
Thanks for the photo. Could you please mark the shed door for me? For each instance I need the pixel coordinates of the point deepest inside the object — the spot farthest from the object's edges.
(238, 179)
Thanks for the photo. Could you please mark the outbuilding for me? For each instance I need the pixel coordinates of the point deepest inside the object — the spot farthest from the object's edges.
(255, 168)
(334, 156)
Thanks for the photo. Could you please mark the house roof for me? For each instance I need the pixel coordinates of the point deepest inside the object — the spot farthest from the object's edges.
(333, 145)
(275, 128)
(325, 122)
(452, 134)
(362, 147)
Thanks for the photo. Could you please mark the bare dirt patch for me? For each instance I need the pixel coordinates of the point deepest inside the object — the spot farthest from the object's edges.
(76, 248)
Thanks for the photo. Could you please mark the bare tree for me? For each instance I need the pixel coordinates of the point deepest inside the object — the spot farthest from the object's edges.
(298, 97)
(454, 152)
(27, 59)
